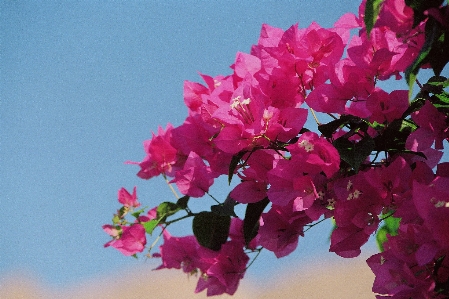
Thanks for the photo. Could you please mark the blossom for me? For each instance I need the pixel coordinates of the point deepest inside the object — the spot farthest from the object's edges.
(254, 180)
(280, 229)
(387, 107)
(316, 153)
(226, 270)
(126, 199)
(397, 279)
(195, 178)
(356, 211)
(179, 253)
(127, 239)
(161, 155)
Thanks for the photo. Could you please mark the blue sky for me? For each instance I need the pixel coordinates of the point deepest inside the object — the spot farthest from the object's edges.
(82, 85)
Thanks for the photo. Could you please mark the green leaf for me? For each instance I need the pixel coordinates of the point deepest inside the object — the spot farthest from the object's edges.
(233, 165)
(115, 219)
(439, 54)
(226, 208)
(328, 129)
(372, 10)
(438, 81)
(381, 238)
(444, 97)
(251, 221)
(354, 153)
(182, 202)
(137, 213)
(211, 230)
(150, 225)
(390, 227)
(123, 211)
(166, 209)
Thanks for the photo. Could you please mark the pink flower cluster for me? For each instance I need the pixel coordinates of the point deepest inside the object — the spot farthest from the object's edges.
(221, 271)
(250, 125)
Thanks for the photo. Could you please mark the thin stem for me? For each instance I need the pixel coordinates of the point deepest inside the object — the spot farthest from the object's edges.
(312, 225)
(171, 187)
(387, 216)
(331, 115)
(189, 214)
(419, 83)
(314, 116)
(258, 252)
(155, 241)
(213, 198)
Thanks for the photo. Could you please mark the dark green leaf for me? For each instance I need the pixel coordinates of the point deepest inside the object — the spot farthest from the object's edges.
(372, 10)
(420, 6)
(226, 208)
(123, 211)
(233, 165)
(354, 153)
(211, 230)
(439, 81)
(329, 129)
(150, 225)
(420, 154)
(252, 216)
(182, 202)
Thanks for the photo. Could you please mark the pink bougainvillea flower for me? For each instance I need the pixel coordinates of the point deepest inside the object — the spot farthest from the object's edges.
(432, 129)
(387, 107)
(226, 271)
(161, 155)
(356, 211)
(432, 204)
(128, 239)
(280, 178)
(397, 279)
(395, 15)
(194, 136)
(249, 192)
(413, 245)
(180, 253)
(246, 64)
(193, 93)
(270, 36)
(126, 199)
(112, 231)
(236, 234)
(346, 241)
(195, 178)
(318, 154)
(392, 188)
(348, 82)
(232, 139)
(254, 180)
(280, 229)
